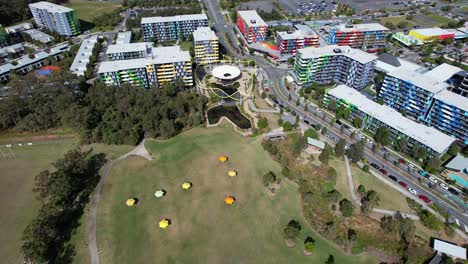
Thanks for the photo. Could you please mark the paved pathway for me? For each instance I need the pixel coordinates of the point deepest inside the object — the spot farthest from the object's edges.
(141, 151)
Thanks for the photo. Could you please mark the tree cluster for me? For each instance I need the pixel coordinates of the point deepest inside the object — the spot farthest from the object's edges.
(110, 19)
(63, 194)
(157, 3)
(12, 12)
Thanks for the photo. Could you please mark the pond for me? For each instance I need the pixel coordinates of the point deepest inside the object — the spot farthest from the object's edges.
(231, 112)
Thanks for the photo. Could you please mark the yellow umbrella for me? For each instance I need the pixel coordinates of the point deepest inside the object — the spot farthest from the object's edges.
(130, 202)
(164, 223)
(186, 185)
(229, 200)
(223, 158)
(232, 173)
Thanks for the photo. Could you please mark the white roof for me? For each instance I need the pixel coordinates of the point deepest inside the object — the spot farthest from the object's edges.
(124, 37)
(19, 27)
(459, 163)
(450, 249)
(252, 18)
(114, 66)
(335, 50)
(12, 48)
(316, 143)
(443, 72)
(170, 54)
(361, 27)
(53, 8)
(39, 35)
(128, 47)
(428, 136)
(204, 34)
(386, 67)
(297, 34)
(453, 99)
(419, 79)
(431, 31)
(159, 19)
(82, 56)
(226, 72)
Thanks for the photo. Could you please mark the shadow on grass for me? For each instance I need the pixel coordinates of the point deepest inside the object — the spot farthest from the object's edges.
(85, 25)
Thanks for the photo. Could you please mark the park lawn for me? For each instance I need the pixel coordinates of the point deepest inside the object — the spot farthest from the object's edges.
(88, 10)
(186, 45)
(19, 205)
(396, 19)
(341, 179)
(390, 199)
(440, 20)
(204, 229)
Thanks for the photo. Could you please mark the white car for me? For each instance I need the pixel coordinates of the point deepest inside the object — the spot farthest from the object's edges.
(361, 136)
(412, 191)
(432, 179)
(319, 110)
(346, 147)
(443, 185)
(411, 166)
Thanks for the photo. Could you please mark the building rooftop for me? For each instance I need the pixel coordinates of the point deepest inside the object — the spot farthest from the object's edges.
(252, 18)
(430, 31)
(123, 37)
(81, 59)
(128, 47)
(450, 249)
(458, 163)
(18, 28)
(159, 19)
(11, 49)
(443, 72)
(388, 63)
(316, 143)
(428, 136)
(204, 34)
(39, 36)
(361, 27)
(170, 54)
(419, 79)
(297, 34)
(113, 66)
(53, 8)
(334, 50)
(305, 28)
(453, 99)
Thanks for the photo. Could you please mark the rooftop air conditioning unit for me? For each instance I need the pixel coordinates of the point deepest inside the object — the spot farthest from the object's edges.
(337, 50)
(253, 21)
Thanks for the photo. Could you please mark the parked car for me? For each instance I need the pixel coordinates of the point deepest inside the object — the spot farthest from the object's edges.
(443, 185)
(375, 166)
(360, 135)
(402, 161)
(412, 191)
(422, 173)
(393, 178)
(403, 184)
(411, 166)
(384, 172)
(432, 179)
(453, 191)
(424, 198)
(338, 122)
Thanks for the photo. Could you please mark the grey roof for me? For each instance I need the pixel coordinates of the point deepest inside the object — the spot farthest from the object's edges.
(388, 63)
(335, 50)
(304, 28)
(297, 34)
(18, 28)
(39, 36)
(114, 66)
(159, 19)
(459, 163)
(453, 99)
(252, 18)
(428, 136)
(128, 47)
(450, 249)
(361, 27)
(11, 49)
(81, 60)
(123, 37)
(204, 34)
(419, 79)
(389, 59)
(443, 72)
(316, 143)
(50, 7)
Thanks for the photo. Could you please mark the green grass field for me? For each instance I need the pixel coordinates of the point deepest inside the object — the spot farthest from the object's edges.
(204, 229)
(88, 10)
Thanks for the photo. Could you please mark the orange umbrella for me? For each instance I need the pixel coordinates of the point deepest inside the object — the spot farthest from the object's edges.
(223, 158)
(229, 200)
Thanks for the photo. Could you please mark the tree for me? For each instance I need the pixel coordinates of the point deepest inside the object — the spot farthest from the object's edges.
(340, 147)
(402, 24)
(454, 149)
(352, 235)
(361, 189)
(333, 196)
(389, 25)
(346, 208)
(287, 126)
(356, 151)
(369, 201)
(268, 178)
(382, 136)
(262, 123)
(430, 220)
(311, 133)
(308, 197)
(298, 146)
(332, 174)
(433, 165)
(401, 145)
(292, 229)
(324, 156)
(357, 122)
(388, 225)
(324, 130)
(330, 260)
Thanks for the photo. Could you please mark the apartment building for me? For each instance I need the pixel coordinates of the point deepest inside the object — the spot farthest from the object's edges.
(128, 51)
(55, 18)
(374, 115)
(362, 36)
(288, 42)
(162, 65)
(163, 29)
(334, 64)
(206, 45)
(252, 26)
(123, 37)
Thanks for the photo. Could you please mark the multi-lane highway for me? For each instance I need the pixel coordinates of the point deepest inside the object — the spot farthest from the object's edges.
(390, 163)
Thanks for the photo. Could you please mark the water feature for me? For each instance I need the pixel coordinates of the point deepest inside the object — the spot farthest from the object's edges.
(231, 112)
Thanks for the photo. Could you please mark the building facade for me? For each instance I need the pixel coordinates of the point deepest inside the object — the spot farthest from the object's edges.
(374, 115)
(128, 51)
(362, 36)
(290, 42)
(252, 26)
(206, 45)
(162, 65)
(56, 18)
(163, 29)
(333, 64)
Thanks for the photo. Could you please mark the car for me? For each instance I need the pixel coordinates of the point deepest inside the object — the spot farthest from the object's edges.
(384, 172)
(424, 198)
(403, 184)
(443, 186)
(319, 110)
(393, 178)
(346, 147)
(422, 173)
(402, 161)
(360, 135)
(412, 191)
(432, 179)
(375, 166)
(338, 122)
(370, 141)
(411, 166)
(306, 121)
(453, 191)
(346, 126)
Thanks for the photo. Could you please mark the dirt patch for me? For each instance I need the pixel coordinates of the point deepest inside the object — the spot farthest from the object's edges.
(290, 243)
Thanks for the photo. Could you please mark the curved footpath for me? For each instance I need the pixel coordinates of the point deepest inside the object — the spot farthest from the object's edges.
(140, 151)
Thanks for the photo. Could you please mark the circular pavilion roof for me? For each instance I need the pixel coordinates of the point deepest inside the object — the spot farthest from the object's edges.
(226, 72)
